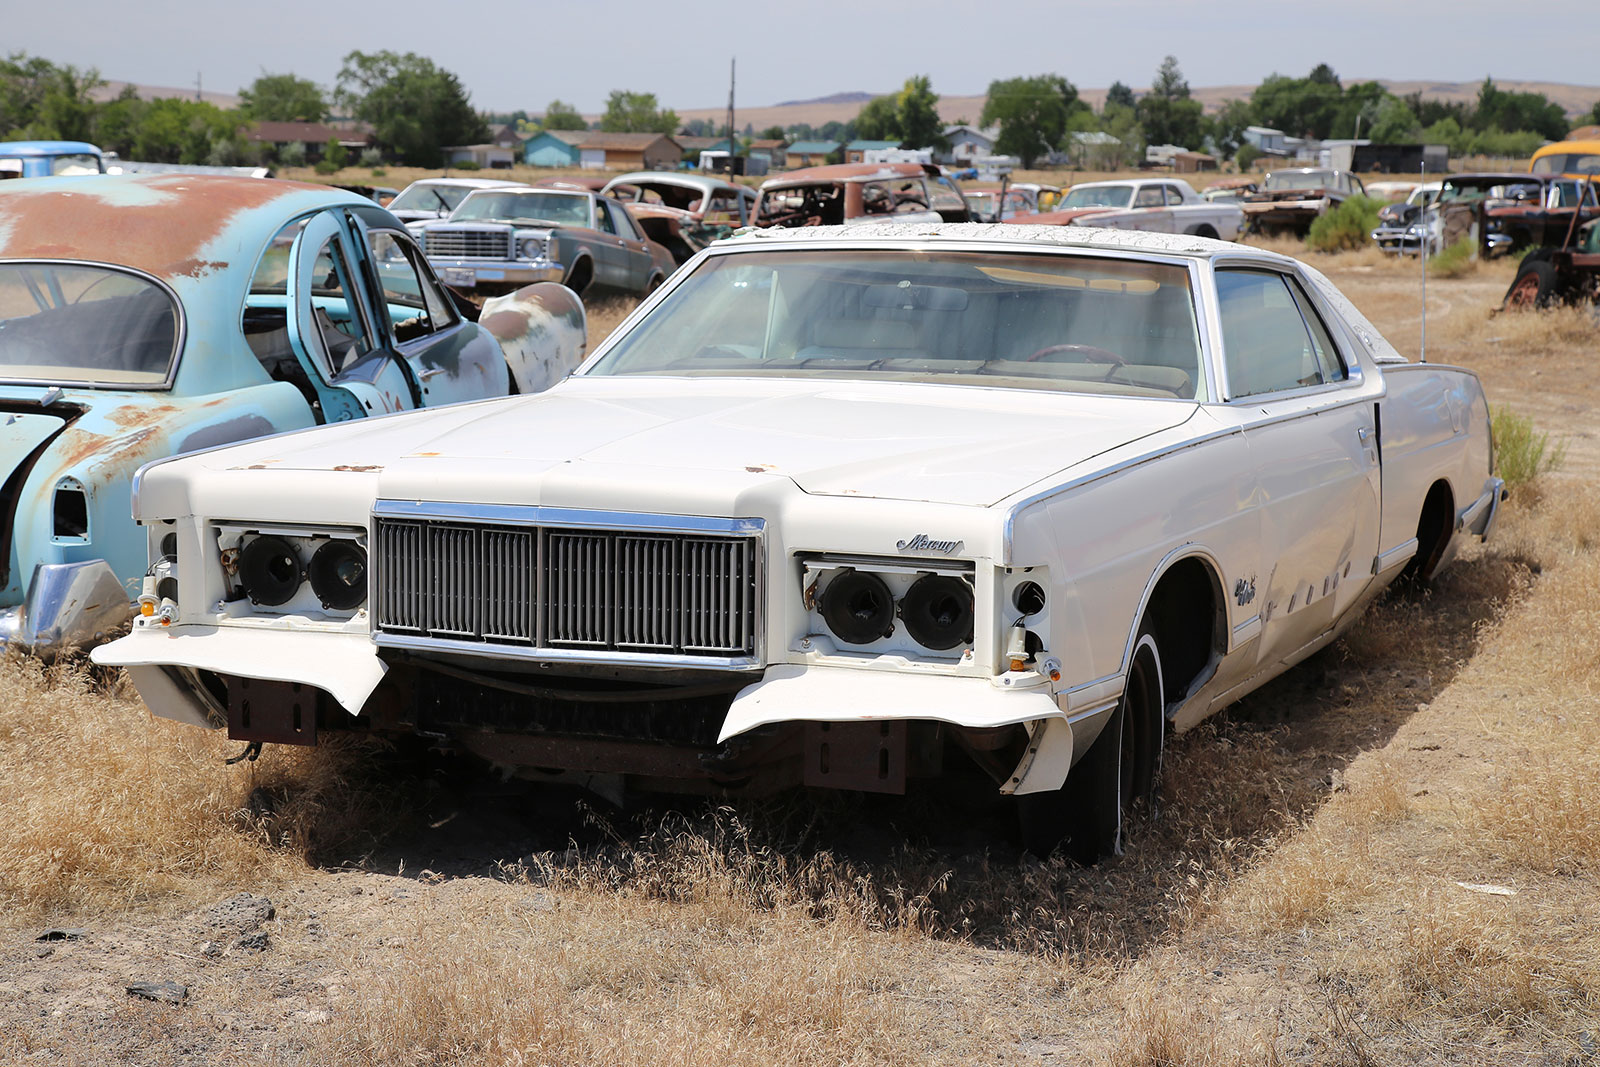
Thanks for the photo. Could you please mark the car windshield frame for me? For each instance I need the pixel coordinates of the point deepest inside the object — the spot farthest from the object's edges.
(439, 193)
(144, 380)
(794, 277)
(470, 209)
(1295, 180)
(1097, 196)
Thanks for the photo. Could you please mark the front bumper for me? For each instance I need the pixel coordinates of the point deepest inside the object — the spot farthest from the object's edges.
(469, 273)
(68, 606)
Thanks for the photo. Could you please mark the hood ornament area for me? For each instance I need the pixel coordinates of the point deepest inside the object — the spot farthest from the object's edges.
(924, 543)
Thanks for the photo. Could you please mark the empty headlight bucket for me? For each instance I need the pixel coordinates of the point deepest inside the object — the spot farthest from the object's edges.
(338, 575)
(269, 570)
(937, 611)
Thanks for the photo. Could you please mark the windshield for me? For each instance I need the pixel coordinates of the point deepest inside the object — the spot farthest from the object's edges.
(1290, 179)
(1098, 196)
(440, 199)
(565, 209)
(1045, 321)
(1567, 163)
(84, 325)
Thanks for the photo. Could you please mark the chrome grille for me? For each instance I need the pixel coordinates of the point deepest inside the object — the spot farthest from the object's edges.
(581, 590)
(467, 244)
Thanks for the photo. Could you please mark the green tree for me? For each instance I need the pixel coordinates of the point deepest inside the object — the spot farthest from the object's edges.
(561, 115)
(879, 119)
(1167, 112)
(920, 124)
(630, 112)
(117, 122)
(179, 130)
(773, 133)
(1119, 95)
(414, 107)
(1300, 107)
(1395, 123)
(1500, 110)
(1226, 128)
(283, 98)
(1032, 113)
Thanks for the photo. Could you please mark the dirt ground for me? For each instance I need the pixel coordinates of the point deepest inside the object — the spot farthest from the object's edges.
(1388, 856)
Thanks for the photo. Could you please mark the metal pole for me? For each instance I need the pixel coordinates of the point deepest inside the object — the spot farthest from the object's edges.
(1422, 232)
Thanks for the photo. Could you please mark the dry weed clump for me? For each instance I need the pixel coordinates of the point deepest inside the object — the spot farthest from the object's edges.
(103, 805)
(1166, 1029)
(615, 980)
(605, 316)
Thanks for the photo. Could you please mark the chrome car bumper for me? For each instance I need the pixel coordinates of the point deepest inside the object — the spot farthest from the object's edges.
(467, 273)
(68, 606)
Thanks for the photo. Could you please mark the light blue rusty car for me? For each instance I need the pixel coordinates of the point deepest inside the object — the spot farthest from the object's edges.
(41, 159)
(145, 316)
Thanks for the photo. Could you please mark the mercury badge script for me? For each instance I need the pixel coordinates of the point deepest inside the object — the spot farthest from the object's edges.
(924, 543)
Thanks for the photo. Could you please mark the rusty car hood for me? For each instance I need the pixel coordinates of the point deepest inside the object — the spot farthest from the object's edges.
(902, 441)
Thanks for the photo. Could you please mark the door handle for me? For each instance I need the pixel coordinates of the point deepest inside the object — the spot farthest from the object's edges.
(1363, 434)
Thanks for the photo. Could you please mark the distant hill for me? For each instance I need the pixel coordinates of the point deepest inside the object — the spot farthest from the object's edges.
(841, 107)
(111, 90)
(836, 98)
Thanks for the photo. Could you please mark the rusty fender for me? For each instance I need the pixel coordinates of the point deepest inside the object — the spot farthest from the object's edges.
(543, 331)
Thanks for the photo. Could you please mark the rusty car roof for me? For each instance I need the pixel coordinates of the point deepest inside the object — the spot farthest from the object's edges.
(178, 227)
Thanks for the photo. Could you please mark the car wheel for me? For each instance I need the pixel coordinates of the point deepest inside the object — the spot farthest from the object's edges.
(1534, 287)
(1086, 817)
(654, 283)
(579, 277)
(1205, 231)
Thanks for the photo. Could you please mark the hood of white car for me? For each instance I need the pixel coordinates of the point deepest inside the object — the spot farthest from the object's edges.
(902, 441)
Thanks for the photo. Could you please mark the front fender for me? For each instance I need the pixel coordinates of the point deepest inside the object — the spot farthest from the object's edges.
(543, 331)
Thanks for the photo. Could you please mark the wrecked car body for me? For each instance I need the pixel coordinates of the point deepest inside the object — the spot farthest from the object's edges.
(842, 507)
(851, 194)
(683, 212)
(1289, 201)
(498, 240)
(1569, 274)
(145, 316)
(1165, 205)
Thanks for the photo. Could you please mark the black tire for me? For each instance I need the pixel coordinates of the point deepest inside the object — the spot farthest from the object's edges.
(1086, 817)
(1205, 230)
(1534, 286)
(579, 277)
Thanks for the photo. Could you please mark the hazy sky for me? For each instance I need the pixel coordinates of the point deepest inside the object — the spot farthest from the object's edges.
(511, 54)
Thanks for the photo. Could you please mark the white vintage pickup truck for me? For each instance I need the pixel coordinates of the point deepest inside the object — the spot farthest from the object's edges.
(838, 506)
(1159, 205)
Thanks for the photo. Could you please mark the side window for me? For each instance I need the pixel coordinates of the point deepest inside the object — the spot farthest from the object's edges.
(724, 209)
(623, 222)
(336, 310)
(1149, 196)
(411, 298)
(946, 197)
(1272, 339)
(1174, 194)
(602, 217)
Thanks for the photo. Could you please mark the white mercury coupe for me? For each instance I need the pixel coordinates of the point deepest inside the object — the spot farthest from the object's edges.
(838, 507)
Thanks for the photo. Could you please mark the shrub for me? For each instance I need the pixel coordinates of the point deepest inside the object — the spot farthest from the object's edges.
(466, 164)
(379, 172)
(371, 157)
(1347, 227)
(327, 166)
(1246, 155)
(1520, 454)
(1454, 261)
(292, 154)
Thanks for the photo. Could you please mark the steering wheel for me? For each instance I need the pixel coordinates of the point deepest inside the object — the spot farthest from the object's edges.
(1085, 354)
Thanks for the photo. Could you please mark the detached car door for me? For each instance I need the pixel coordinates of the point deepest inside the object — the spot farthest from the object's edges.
(331, 327)
(1310, 421)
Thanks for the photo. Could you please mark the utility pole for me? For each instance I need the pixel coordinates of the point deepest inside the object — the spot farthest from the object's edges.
(197, 85)
(733, 145)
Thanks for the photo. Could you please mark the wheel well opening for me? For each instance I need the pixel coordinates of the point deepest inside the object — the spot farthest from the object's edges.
(578, 278)
(1185, 613)
(1434, 527)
